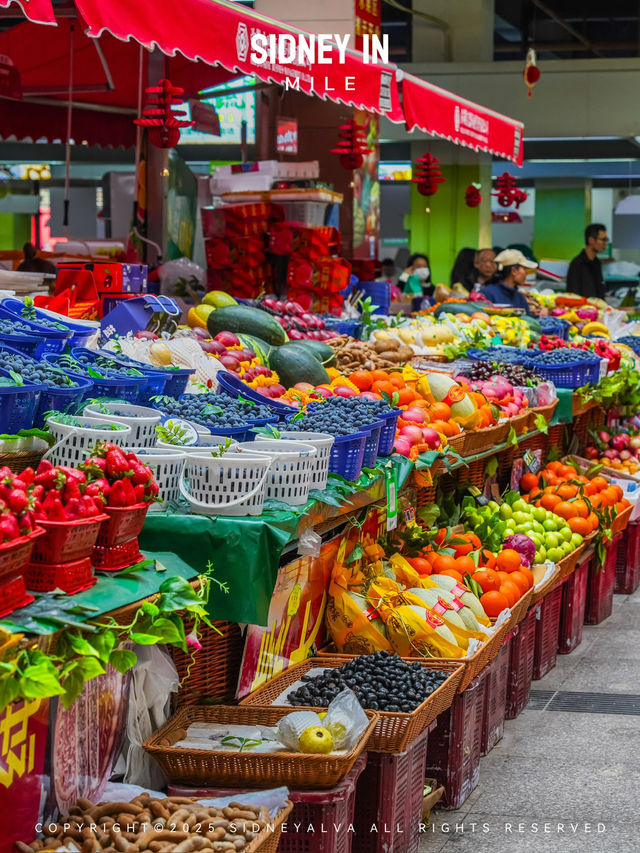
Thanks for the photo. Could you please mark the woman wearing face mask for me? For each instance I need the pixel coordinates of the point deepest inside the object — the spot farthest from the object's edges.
(415, 281)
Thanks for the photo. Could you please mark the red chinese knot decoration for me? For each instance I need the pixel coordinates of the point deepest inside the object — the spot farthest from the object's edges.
(531, 71)
(160, 117)
(472, 197)
(428, 175)
(507, 191)
(352, 145)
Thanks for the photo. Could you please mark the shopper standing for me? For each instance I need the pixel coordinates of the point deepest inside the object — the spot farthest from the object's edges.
(415, 281)
(585, 270)
(513, 267)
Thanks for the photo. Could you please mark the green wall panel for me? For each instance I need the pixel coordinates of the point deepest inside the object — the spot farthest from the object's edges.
(560, 219)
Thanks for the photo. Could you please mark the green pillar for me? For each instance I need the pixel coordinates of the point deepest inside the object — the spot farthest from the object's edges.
(562, 214)
(15, 230)
(450, 225)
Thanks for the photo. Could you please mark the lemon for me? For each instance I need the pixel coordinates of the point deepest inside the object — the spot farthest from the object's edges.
(316, 740)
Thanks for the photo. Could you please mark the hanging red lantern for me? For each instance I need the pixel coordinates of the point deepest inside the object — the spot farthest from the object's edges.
(428, 175)
(164, 122)
(531, 71)
(472, 197)
(352, 145)
(507, 191)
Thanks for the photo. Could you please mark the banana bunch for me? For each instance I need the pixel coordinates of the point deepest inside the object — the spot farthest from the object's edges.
(595, 328)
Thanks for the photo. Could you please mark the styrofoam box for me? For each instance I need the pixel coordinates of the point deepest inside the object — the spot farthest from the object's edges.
(308, 169)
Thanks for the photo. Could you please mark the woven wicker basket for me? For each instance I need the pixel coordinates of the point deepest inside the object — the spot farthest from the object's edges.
(538, 594)
(457, 442)
(521, 423)
(568, 564)
(267, 840)
(21, 459)
(394, 731)
(483, 440)
(520, 608)
(621, 521)
(213, 670)
(237, 769)
(484, 655)
(546, 411)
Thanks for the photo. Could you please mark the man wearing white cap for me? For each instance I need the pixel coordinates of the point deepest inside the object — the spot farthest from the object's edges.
(513, 269)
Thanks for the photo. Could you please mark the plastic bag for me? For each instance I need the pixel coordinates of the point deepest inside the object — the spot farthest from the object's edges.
(346, 720)
(153, 679)
(354, 626)
(172, 272)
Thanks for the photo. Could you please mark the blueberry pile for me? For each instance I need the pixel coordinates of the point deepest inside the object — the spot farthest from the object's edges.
(505, 355)
(564, 356)
(37, 371)
(338, 416)
(14, 327)
(101, 363)
(630, 341)
(215, 411)
(381, 682)
(48, 324)
(517, 374)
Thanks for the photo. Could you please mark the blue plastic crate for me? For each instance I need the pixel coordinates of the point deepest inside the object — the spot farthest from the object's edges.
(49, 340)
(380, 293)
(388, 434)
(574, 374)
(347, 454)
(371, 446)
(122, 388)
(176, 380)
(26, 344)
(81, 332)
(18, 406)
(141, 388)
(343, 327)
(235, 387)
(555, 326)
(260, 422)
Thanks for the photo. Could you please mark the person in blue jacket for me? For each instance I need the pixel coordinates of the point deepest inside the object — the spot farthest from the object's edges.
(513, 269)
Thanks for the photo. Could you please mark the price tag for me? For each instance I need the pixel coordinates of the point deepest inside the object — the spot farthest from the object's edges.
(410, 515)
(531, 461)
(604, 367)
(391, 486)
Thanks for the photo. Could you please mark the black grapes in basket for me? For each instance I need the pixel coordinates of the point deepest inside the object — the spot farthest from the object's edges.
(36, 371)
(382, 682)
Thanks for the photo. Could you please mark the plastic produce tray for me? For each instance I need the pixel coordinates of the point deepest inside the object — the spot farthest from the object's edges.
(123, 523)
(371, 446)
(71, 577)
(388, 434)
(15, 555)
(495, 698)
(453, 756)
(521, 666)
(574, 598)
(62, 541)
(628, 561)
(13, 593)
(394, 731)
(547, 628)
(389, 796)
(347, 454)
(573, 374)
(262, 770)
(112, 558)
(600, 586)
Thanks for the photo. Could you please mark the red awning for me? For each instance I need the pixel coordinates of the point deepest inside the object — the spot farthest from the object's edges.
(219, 32)
(38, 11)
(441, 113)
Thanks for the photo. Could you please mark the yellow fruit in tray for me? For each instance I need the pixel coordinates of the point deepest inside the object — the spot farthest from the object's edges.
(198, 316)
(316, 740)
(218, 298)
(407, 336)
(381, 335)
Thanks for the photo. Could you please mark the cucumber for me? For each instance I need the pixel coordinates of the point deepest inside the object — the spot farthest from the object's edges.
(323, 352)
(242, 319)
(294, 363)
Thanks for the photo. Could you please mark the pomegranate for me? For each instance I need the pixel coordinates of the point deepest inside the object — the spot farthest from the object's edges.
(228, 339)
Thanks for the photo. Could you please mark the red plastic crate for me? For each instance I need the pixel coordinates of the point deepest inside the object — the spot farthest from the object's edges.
(628, 560)
(454, 748)
(13, 594)
(602, 580)
(113, 558)
(15, 555)
(521, 666)
(71, 577)
(286, 238)
(495, 698)
(574, 599)
(67, 540)
(327, 275)
(224, 253)
(547, 627)
(123, 524)
(330, 812)
(389, 794)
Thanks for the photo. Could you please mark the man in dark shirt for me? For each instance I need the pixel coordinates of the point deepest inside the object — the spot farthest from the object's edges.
(514, 268)
(585, 271)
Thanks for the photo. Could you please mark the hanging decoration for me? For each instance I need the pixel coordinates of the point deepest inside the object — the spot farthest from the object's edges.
(160, 116)
(428, 175)
(507, 191)
(352, 145)
(531, 71)
(472, 196)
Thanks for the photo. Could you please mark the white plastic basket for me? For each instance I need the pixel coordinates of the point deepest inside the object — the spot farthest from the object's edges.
(167, 465)
(323, 442)
(292, 466)
(205, 442)
(142, 420)
(230, 485)
(75, 443)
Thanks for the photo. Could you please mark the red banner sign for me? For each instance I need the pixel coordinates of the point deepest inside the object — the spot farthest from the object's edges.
(368, 20)
(287, 135)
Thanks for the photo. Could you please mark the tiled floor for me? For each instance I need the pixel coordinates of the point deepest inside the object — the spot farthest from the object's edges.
(561, 781)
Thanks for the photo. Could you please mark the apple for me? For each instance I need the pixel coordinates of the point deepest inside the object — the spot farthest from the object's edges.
(345, 391)
(230, 362)
(412, 434)
(402, 446)
(212, 347)
(416, 416)
(369, 395)
(431, 437)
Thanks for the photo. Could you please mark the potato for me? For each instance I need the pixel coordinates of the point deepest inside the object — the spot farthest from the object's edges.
(390, 356)
(405, 353)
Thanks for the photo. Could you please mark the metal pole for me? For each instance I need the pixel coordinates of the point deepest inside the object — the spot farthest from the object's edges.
(67, 175)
